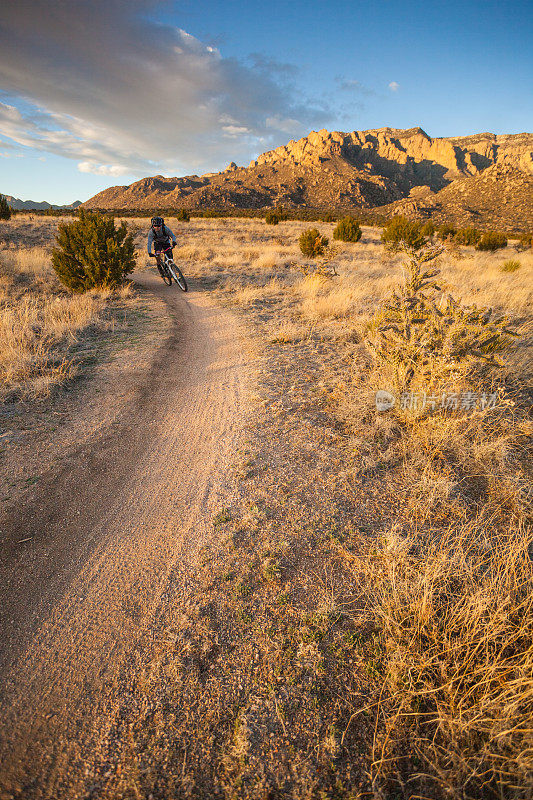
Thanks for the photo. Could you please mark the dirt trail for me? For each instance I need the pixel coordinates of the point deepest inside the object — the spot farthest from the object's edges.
(114, 532)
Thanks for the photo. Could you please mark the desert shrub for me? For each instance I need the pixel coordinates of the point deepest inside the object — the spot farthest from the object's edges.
(467, 236)
(183, 215)
(446, 232)
(492, 241)
(428, 228)
(526, 240)
(92, 252)
(272, 218)
(329, 217)
(400, 231)
(5, 208)
(312, 243)
(348, 230)
(510, 266)
(424, 333)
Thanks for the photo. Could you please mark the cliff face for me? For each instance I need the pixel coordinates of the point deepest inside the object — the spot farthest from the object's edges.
(336, 170)
(408, 156)
(499, 196)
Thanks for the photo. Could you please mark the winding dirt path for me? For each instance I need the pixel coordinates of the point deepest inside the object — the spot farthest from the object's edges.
(113, 534)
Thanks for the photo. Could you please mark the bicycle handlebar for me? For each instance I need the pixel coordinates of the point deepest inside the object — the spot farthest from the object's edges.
(166, 249)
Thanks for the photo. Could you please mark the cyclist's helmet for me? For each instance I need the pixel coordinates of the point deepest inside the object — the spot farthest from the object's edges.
(157, 222)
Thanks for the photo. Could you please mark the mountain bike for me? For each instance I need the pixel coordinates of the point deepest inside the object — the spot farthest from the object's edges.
(170, 271)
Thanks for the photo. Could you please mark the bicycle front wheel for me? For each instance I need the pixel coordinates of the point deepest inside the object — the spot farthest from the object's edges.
(178, 276)
(164, 272)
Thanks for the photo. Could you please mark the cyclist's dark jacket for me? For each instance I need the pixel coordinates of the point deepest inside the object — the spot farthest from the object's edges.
(160, 240)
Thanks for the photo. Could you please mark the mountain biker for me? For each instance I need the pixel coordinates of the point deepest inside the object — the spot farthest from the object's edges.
(159, 236)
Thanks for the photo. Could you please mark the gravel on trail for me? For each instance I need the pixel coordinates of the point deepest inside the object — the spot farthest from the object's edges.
(87, 560)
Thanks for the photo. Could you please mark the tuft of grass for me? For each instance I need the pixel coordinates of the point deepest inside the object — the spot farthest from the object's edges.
(222, 517)
(456, 627)
(510, 266)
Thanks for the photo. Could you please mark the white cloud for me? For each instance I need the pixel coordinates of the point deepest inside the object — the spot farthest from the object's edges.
(102, 169)
(235, 130)
(288, 125)
(393, 86)
(120, 94)
(353, 86)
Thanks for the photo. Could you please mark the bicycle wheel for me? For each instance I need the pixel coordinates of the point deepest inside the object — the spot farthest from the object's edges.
(178, 275)
(165, 273)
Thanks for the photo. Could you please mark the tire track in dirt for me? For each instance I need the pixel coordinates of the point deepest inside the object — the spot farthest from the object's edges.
(113, 532)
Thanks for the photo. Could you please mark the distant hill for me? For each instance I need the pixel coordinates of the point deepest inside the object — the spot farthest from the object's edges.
(34, 205)
(358, 171)
(499, 196)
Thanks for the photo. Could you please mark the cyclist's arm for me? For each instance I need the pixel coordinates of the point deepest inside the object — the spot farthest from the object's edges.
(170, 235)
(150, 242)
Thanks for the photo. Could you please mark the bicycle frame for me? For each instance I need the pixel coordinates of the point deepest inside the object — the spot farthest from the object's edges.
(172, 269)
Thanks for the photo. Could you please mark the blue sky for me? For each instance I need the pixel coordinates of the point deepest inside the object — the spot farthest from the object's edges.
(95, 93)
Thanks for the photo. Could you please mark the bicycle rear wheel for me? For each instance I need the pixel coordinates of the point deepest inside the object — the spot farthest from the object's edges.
(178, 275)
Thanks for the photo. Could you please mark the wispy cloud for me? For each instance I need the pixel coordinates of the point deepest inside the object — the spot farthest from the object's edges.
(120, 93)
(393, 86)
(354, 86)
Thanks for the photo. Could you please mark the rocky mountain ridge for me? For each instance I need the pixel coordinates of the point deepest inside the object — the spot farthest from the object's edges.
(409, 156)
(356, 171)
(35, 205)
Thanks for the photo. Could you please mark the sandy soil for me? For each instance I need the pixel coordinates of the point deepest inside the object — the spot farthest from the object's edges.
(110, 532)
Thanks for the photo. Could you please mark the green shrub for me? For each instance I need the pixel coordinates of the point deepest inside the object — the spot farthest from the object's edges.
(467, 236)
(183, 215)
(526, 240)
(5, 208)
(510, 266)
(329, 217)
(428, 228)
(272, 218)
(348, 230)
(400, 231)
(421, 332)
(312, 243)
(92, 252)
(492, 241)
(446, 232)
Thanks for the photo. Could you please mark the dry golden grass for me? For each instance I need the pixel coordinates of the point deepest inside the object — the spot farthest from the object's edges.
(39, 321)
(407, 656)
(455, 622)
(32, 332)
(449, 590)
